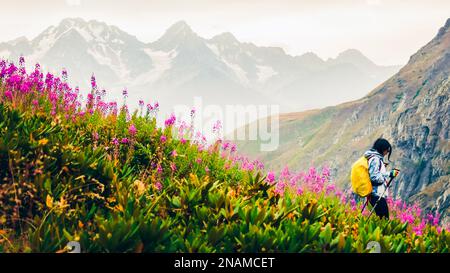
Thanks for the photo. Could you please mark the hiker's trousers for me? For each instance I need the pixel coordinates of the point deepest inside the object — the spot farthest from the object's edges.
(381, 209)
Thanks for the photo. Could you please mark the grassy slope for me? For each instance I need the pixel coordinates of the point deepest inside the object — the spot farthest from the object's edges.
(83, 189)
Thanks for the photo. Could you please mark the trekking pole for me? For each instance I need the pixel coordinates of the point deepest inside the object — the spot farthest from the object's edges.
(365, 204)
(381, 196)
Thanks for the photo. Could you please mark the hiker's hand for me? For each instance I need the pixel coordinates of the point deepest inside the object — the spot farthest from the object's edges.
(394, 173)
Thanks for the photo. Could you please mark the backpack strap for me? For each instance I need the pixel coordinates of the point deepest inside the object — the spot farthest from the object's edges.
(370, 157)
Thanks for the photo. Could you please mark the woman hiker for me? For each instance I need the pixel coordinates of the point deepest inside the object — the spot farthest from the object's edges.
(379, 177)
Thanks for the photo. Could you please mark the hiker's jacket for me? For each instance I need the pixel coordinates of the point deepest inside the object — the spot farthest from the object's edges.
(377, 172)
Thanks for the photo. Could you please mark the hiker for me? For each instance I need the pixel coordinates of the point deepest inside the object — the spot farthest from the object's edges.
(379, 177)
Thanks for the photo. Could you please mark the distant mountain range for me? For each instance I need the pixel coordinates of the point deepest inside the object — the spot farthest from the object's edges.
(411, 110)
(181, 65)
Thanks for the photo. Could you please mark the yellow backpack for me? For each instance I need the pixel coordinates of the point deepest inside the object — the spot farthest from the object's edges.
(361, 183)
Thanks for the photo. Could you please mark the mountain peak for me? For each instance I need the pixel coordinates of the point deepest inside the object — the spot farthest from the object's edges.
(79, 23)
(71, 22)
(447, 23)
(226, 37)
(179, 28)
(310, 55)
(178, 34)
(89, 31)
(310, 59)
(21, 39)
(353, 56)
(351, 53)
(444, 29)
(95, 23)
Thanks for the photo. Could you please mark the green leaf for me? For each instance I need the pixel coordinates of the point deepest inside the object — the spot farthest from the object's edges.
(399, 247)
(325, 235)
(48, 185)
(176, 202)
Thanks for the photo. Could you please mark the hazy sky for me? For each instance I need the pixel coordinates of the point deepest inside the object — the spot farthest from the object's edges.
(388, 32)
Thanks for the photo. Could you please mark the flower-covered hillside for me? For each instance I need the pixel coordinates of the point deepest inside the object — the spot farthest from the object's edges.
(91, 171)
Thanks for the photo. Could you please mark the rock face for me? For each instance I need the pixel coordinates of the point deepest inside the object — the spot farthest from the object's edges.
(411, 110)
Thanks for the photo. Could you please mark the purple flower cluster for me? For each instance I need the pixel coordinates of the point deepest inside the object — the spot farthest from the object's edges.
(170, 121)
(19, 85)
(312, 181)
(132, 130)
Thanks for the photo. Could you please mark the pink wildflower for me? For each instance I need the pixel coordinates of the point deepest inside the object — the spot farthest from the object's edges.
(170, 121)
(132, 130)
(173, 167)
(158, 186)
(115, 141)
(95, 136)
(270, 177)
(8, 94)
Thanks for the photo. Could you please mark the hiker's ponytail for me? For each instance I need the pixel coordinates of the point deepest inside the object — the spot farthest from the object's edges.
(382, 145)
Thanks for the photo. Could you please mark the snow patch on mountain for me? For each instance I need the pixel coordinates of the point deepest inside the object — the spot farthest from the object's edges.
(215, 49)
(237, 70)
(265, 73)
(105, 55)
(162, 62)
